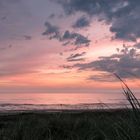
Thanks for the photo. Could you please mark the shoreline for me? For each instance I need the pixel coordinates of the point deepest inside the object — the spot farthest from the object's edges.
(53, 111)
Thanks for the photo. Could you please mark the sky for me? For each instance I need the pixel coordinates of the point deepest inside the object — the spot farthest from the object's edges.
(69, 46)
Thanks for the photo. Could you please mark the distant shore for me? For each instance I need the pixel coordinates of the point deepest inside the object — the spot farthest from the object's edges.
(19, 108)
(53, 111)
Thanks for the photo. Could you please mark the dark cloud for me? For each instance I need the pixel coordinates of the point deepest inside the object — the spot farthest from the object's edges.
(103, 77)
(125, 64)
(67, 37)
(27, 37)
(126, 28)
(76, 57)
(66, 43)
(52, 31)
(51, 16)
(75, 38)
(123, 15)
(81, 22)
(66, 66)
(72, 6)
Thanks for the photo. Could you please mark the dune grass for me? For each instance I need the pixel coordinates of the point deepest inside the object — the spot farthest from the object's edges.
(118, 125)
(101, 125)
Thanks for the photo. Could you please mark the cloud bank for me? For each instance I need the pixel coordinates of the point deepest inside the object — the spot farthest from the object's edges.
(122, 15)
(126, 64)
(67, 38)
(81, 22)
(76, 57)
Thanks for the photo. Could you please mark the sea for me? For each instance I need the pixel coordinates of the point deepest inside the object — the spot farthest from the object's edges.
(10, 102)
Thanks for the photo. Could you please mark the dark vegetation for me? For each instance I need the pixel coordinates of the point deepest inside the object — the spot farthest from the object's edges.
(92, 125)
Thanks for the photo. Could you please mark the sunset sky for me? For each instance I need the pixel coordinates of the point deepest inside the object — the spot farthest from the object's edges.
(69, 46)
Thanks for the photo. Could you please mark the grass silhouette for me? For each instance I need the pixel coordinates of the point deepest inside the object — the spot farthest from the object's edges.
(134, 102)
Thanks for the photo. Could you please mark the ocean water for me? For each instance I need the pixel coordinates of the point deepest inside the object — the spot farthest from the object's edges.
(61, 101)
